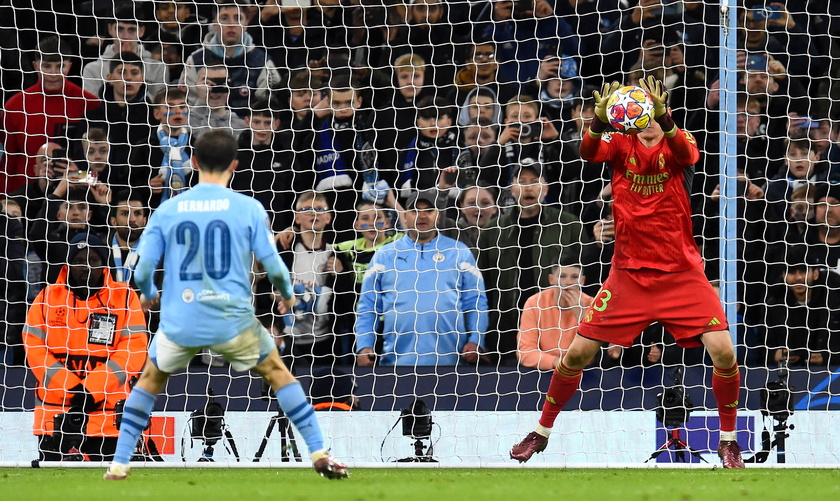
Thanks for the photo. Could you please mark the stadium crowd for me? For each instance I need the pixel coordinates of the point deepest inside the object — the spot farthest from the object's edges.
(447, 130)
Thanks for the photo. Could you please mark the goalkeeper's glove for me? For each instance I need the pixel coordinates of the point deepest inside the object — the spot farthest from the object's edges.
(376, 192)
(660, 109)
(659, 96)
(601, 100)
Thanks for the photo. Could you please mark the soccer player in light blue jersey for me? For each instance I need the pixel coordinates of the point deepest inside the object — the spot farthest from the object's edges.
(206, 237)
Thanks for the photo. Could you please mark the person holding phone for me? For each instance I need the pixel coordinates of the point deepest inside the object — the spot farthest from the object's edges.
(527, 135)
(35, 115)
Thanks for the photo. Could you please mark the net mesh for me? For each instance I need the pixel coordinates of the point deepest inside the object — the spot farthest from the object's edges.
(343, 110)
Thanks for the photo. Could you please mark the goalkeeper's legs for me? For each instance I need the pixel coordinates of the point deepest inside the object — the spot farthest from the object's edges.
(564, 384)
(726, 386)
(293, 401)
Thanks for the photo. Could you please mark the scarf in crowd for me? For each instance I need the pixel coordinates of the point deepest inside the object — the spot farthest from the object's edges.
(176, 163)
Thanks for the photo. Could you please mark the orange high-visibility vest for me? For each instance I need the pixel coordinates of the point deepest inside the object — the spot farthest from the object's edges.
(100, 342)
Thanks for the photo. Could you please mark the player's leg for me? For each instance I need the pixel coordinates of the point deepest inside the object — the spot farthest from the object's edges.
(294, 403)
(565, 381)
(165, 357)
(726, 386)
(135, 418)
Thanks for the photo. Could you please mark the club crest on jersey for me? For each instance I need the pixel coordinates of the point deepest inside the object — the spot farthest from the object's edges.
(438, 257)
(188, 296)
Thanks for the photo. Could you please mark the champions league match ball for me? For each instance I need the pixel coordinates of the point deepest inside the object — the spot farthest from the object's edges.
(630, 109)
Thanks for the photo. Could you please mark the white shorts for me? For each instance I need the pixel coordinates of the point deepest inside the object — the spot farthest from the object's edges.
(246, 350)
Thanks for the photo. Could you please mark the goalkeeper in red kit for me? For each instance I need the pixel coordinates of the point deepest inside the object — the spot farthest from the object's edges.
(656, 262)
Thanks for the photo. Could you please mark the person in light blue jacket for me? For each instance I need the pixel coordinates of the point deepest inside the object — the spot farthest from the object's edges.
(428, 293)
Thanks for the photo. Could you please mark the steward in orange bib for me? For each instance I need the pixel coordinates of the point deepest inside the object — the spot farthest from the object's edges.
(85, 339)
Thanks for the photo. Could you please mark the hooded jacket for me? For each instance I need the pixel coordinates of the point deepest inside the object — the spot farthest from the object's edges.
(251, 73)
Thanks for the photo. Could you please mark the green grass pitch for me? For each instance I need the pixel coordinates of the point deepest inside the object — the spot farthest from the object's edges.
(424, 484)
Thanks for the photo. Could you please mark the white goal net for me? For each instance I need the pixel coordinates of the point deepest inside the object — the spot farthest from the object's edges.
(352, 114)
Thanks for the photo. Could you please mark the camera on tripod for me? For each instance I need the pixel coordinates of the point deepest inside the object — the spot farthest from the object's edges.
(208, 426)
(69, 433)
(777, 396)
(417, 424)
(673, 410)
(776, 402)
(674, 406)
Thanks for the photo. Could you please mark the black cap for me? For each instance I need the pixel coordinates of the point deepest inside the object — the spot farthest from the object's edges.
(83, 240)
(428, 195)
(827, 190)
(528, 164)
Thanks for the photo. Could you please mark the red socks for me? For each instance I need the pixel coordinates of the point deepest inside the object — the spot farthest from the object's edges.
(726, 386)
(564, 384)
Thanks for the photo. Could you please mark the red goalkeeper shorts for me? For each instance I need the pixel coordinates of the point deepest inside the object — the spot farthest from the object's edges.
(630, 300)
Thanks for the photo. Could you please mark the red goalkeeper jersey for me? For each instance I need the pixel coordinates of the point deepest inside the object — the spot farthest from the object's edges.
(651, 202)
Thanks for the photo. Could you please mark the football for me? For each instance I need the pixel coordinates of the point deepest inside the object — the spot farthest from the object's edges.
(630, 109)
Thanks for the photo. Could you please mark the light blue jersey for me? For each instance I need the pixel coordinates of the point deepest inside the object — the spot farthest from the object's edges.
(207, 236)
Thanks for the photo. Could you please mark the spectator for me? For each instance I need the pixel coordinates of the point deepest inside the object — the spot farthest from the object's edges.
(803, 315)
(557, 86)
(347, 152)
(427, 33)
(428, 293)
(125, 114)
(266, 166)
(126, 31)
(479, 160)
(32, 197)
(621, 46)
(171, 151)
(481, 69)
(409, 80)
(800, 166)
(304, 97)
(550, 318)
(527, 135)
(767, 77)
(65, 216)
(12, 277)
(430, 160)
(211, 110)
(96, 149)
(477, 206)
(83, 360)
(290, 37)
(517, 251)
(374, 228)
(177, 22)
(785, 41)
(480, 107)
(823, 237)
(128, 219)
(313, 266)
(251, 71)
(597, 219)
(524, 32)
(39, 113)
